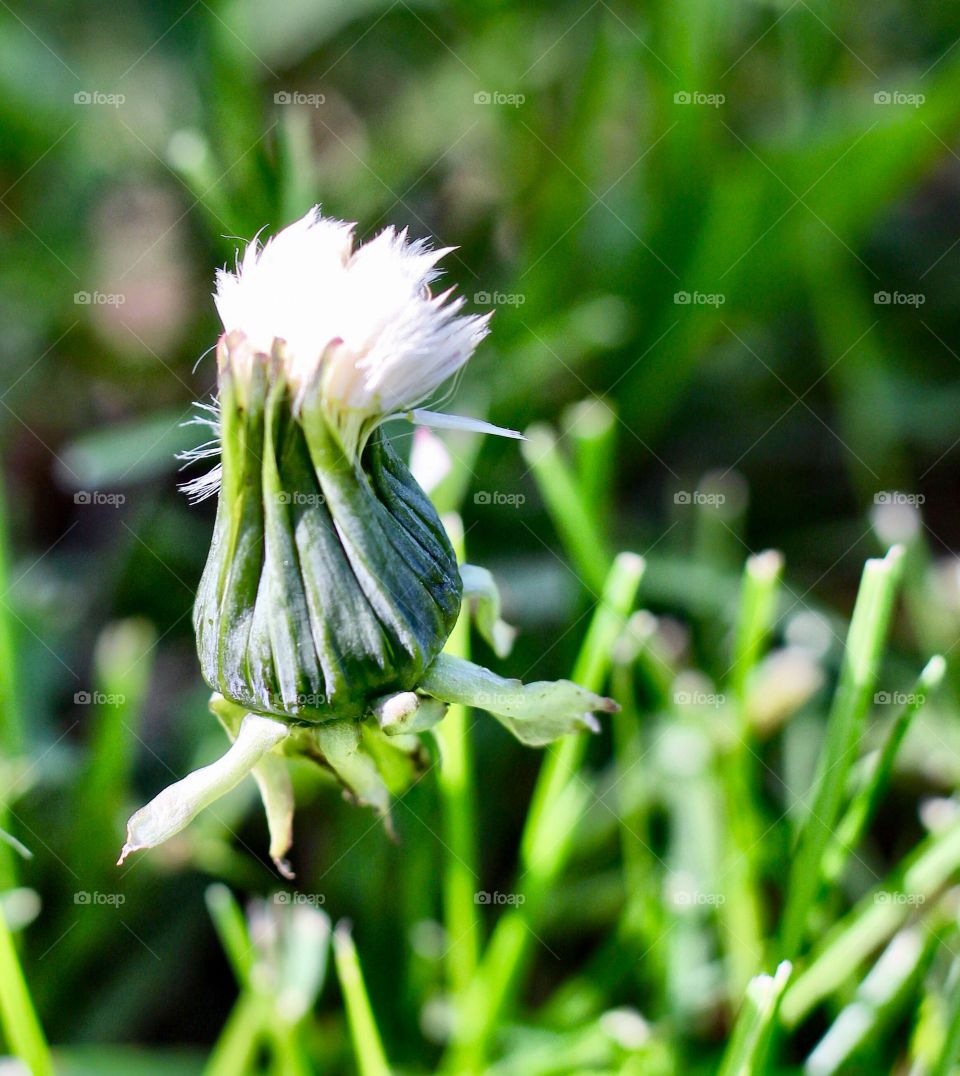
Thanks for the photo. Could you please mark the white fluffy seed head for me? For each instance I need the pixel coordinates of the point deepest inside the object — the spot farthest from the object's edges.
(361, 318)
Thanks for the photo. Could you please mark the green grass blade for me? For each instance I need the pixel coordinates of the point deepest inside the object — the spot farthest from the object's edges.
(231, 928)
(864, 804)
(744, 1053)
(558, 802)
(876, 1003)
(367, 1047)
(456, 784)
(946, 1062)
(235, 1050)
(868, 628)
(572, 515)
(873, 921)
(21, 1026)
(740, 912)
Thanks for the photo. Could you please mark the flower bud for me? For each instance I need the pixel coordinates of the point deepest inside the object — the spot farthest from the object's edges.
(330, 580)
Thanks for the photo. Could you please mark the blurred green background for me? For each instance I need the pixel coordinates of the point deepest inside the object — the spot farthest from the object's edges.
(737, 223)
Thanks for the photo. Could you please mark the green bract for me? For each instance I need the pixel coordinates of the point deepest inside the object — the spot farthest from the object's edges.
(331, 580)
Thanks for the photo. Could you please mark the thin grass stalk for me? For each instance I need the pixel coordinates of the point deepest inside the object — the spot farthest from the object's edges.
(364, 1034)
(740, 913)
(569, 509)
(21, 1026)
(558, 801)
(868, 628)
(746, 1049)
(873, 921)
(458, 805)
(865, 801)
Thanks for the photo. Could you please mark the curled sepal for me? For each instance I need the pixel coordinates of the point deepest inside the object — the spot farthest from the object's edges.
(537, 714)
(339, 743)
(273, 781)
(480, 588)
(177, 805)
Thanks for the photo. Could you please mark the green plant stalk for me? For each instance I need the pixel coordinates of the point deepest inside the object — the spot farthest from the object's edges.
(592, 427)
(231, 928)
(458, 804)
(234, 1052)
(873, 921)
(865, 639)
(21, 1027)
(878, 1001)
(123, 666)
(570, 511)
(367, 1046)
(864, 804)
(558, 801)
(638, 864)
(747, 1046)
(950, 1050)
(740, 913)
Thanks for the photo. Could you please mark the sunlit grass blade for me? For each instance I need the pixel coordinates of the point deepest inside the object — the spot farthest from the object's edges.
(235, 1050)
(740, 912)
(455, 781)
(569, 509)
(745, 1051)
(550, 829)
(873, 921)
(949, 1055)
(231, 928)
(591, 426)
(21, 1027)
(864, 646)
(863, 806)
(876, 1003)
(367, 1047)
